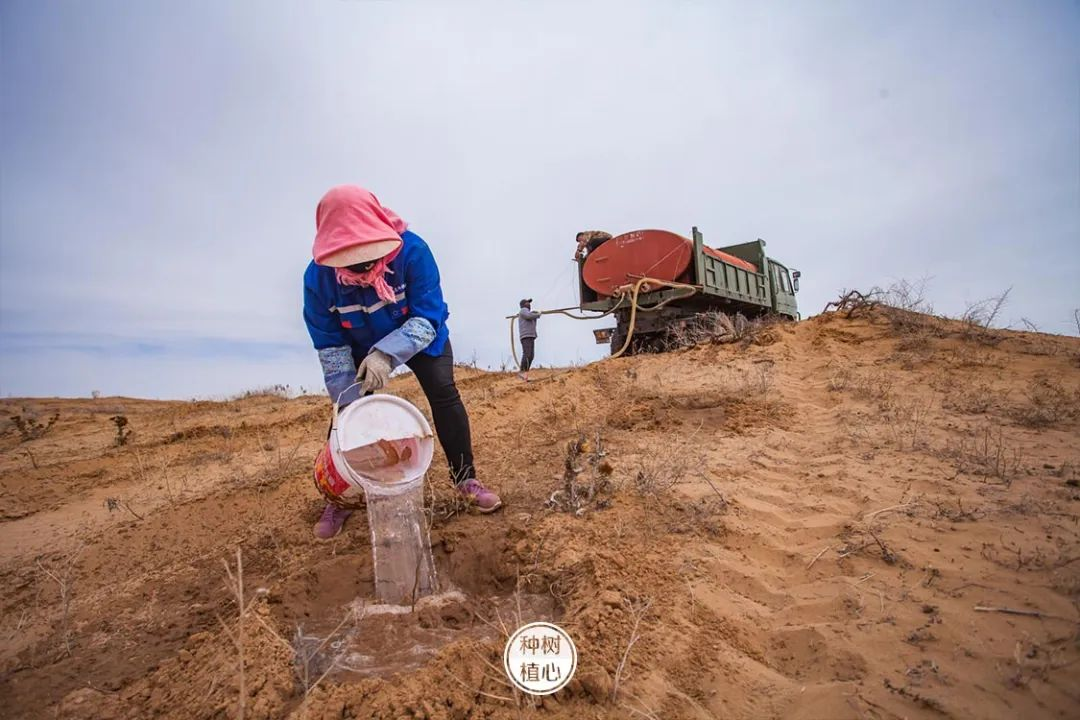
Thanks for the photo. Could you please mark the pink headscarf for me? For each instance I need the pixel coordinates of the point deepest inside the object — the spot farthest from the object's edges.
(375, 277)
(348, 216)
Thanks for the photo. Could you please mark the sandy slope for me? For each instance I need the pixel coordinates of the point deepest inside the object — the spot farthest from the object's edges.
(843, 494)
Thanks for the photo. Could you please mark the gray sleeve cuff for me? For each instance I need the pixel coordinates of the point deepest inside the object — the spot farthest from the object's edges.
(409, 339)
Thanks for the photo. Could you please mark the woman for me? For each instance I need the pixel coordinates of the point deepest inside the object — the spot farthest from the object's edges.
(372, 302)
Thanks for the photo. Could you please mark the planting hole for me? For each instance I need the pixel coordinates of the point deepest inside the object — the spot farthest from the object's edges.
(340, 632)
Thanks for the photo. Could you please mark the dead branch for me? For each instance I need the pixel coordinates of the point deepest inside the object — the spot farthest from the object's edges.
(889, 509)
(1026, 613)
(637, 613)
(817, 557)
(63, 578)
(851, 302)
(235, 584)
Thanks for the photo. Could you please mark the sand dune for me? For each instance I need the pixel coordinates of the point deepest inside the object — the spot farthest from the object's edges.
(803, 526)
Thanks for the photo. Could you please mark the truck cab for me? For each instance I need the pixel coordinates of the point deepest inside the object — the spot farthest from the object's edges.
(784, 289)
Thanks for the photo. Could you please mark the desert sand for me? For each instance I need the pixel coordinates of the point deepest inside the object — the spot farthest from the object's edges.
(803, 525)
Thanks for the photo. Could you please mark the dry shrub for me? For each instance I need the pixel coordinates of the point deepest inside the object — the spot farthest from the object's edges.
(971, 399)
(1047, 402)
(853, 303)
(909, 313)
(123, 432)
(278, 391)
(987, 453)
(713, 328)
(160, 478)
(757, 383)
(869, 384)
(278, 464)
(917, 343)
(441, 503)
(586, 478)
(906, 295)
(903, 304)
(662, 470)
(61, 572)
(978, 318)
(874, 384)
(906, 421)
(839, 378)
(30, 429)
(909, 360)
(970, 356)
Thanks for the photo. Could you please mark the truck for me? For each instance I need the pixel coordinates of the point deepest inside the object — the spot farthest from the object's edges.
(731, 279)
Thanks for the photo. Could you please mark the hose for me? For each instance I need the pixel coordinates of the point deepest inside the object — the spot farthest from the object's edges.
(634, 307)
(622, 298)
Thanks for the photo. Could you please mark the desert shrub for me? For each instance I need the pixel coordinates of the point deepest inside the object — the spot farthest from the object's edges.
(869, 384)
(123, 432)
(30, 429)
(970, 399)
(587, 475)
(279, 391)
(987, 453)
(967, 356)
(659, 471)
(978, 319)
(904, 306)
(839, 378)
(1047, 402)
(906, 421)
(713, 328)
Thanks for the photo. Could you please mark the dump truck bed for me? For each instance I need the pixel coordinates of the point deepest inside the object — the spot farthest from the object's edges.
(720, 282)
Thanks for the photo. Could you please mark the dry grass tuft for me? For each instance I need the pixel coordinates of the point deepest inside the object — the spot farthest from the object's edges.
(986, 453)
(1047, 402)
(906, 421)
(869, 384)
(970, 399)
(662, 470)
(283, 392)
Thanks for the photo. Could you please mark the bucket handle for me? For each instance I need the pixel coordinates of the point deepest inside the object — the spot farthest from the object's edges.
(337, 404)
(332, 430)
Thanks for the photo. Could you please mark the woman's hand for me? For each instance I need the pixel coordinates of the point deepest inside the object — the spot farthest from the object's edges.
(374, 372)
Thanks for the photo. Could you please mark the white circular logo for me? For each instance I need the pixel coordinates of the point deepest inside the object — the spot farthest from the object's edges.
(540, 658)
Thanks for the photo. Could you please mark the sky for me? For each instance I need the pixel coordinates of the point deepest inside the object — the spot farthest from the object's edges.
(160, 163)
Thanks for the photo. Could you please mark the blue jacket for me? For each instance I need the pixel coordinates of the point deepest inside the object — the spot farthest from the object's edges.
(340, 316)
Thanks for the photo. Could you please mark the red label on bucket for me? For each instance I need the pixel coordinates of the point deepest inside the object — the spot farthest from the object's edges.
(327, 479)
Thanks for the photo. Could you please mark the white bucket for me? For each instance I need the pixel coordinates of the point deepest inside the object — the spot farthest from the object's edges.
(381, 444)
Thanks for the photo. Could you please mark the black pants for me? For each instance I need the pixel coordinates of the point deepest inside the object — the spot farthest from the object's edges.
(436, 378)
(528, 351)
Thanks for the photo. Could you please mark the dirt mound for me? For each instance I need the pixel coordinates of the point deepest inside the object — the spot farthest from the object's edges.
(867, 517)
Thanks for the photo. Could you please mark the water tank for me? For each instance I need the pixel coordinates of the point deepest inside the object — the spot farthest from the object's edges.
(660, 254)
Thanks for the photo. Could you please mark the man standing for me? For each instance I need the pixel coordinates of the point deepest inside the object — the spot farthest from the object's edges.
(527, 332)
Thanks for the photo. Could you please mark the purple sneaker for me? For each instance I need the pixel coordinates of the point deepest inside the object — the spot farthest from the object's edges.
(485, 500)
(331, 521)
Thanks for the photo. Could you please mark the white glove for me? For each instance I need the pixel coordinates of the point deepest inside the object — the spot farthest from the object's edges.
(374, 372)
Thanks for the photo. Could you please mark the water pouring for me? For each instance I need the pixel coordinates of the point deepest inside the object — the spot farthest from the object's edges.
(380, 448)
